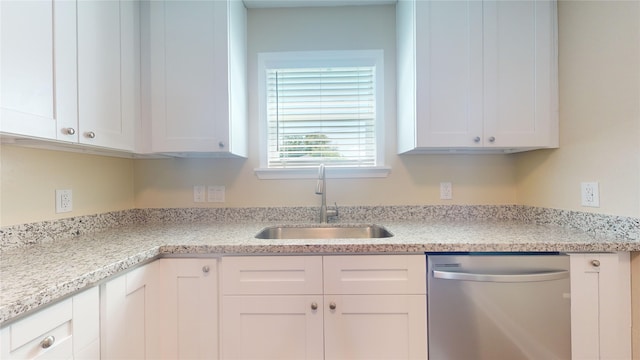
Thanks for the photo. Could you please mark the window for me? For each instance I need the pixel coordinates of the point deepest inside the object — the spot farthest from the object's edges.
(321, 107)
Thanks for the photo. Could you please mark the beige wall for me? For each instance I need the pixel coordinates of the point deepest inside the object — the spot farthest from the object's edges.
(599, 70)
(415, 179)
(29, 178)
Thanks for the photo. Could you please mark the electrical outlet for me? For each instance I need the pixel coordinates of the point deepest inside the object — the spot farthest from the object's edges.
(215, 193)
(446, 191)
(590, 194)
(198, 193)
(64, 201)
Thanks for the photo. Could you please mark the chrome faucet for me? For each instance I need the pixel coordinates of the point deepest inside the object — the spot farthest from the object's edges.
(321, 189)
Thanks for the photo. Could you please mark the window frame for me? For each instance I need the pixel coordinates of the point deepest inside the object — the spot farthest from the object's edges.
(306, 59)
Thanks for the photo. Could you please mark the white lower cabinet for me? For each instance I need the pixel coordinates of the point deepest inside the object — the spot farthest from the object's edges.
(129, 314)
(290, 307)
(324, 307)
(600, 306)
(167, 309)
(272, 327)
(189, 308)
(66, 330)
(375, 327)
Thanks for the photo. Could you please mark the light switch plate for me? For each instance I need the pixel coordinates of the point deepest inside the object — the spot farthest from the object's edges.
(215, 193)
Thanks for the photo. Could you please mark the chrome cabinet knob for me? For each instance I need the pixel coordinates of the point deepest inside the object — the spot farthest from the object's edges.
(70, 131)
(492, 139)
(314, 306)
(47, 342)
(332, 305)
(205, 269)
(476, 139)
(90, 135)
(595, 263)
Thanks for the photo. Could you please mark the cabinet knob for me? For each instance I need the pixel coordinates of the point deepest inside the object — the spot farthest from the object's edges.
(90, 135)
(332, 305)
(595, 263)
(221, 145)
(314, 306)
(47, 342)
(205, 269)
(70, 131)
(492, 139)
(476, 139)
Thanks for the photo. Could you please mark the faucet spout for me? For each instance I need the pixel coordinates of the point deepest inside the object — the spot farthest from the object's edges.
(321, 179)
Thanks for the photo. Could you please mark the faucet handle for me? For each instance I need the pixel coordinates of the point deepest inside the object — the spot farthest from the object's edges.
(333, 212)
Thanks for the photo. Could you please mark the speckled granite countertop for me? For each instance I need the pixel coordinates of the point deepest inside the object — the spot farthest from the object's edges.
(38, 274)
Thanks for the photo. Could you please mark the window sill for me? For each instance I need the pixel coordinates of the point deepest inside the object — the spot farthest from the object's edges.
(331, 173)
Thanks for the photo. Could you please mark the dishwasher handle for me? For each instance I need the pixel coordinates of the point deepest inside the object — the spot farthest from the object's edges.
(504, 278)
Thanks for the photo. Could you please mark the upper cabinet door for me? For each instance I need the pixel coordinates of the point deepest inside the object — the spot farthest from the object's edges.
(449, 73)
(477, 75)
(108, 72)
(38, 57)
(520, 72)
(197, 89)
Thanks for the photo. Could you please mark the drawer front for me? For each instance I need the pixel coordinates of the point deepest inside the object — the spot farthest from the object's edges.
(54, 320)
(61, 348)
(375, 274)
(272, 275)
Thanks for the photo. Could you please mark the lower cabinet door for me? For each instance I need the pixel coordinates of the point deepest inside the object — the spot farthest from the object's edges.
(86, 324)
(375, 327)
(128, 308)
(272, 327)
(600, 306)
(189, 309)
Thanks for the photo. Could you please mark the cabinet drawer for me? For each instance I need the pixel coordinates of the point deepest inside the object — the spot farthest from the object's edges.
(26, 336)
(271, 275)
(375, 274)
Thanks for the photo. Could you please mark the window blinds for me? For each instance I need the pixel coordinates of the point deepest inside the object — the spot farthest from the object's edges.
(321, 115)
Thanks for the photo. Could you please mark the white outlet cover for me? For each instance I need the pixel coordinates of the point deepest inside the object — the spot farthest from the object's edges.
(446, 191)
(590, 194)
(64, 201)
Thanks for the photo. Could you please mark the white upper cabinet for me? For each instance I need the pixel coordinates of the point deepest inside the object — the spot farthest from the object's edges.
(196, 85)
(71, 71)
(38, 66)
(477, 75)
(108, 72)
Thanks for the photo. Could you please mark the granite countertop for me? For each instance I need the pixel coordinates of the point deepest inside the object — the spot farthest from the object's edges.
(39, 274)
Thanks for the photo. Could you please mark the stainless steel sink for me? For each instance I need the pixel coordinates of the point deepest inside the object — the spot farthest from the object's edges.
(324, 232)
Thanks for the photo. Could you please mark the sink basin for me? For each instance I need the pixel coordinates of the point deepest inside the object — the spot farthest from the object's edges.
(324, 232)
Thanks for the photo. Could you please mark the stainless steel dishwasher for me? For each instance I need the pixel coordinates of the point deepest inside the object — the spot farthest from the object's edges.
(496, 306)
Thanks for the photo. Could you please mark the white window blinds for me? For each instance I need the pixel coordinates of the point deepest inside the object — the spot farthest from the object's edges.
(321, 115)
